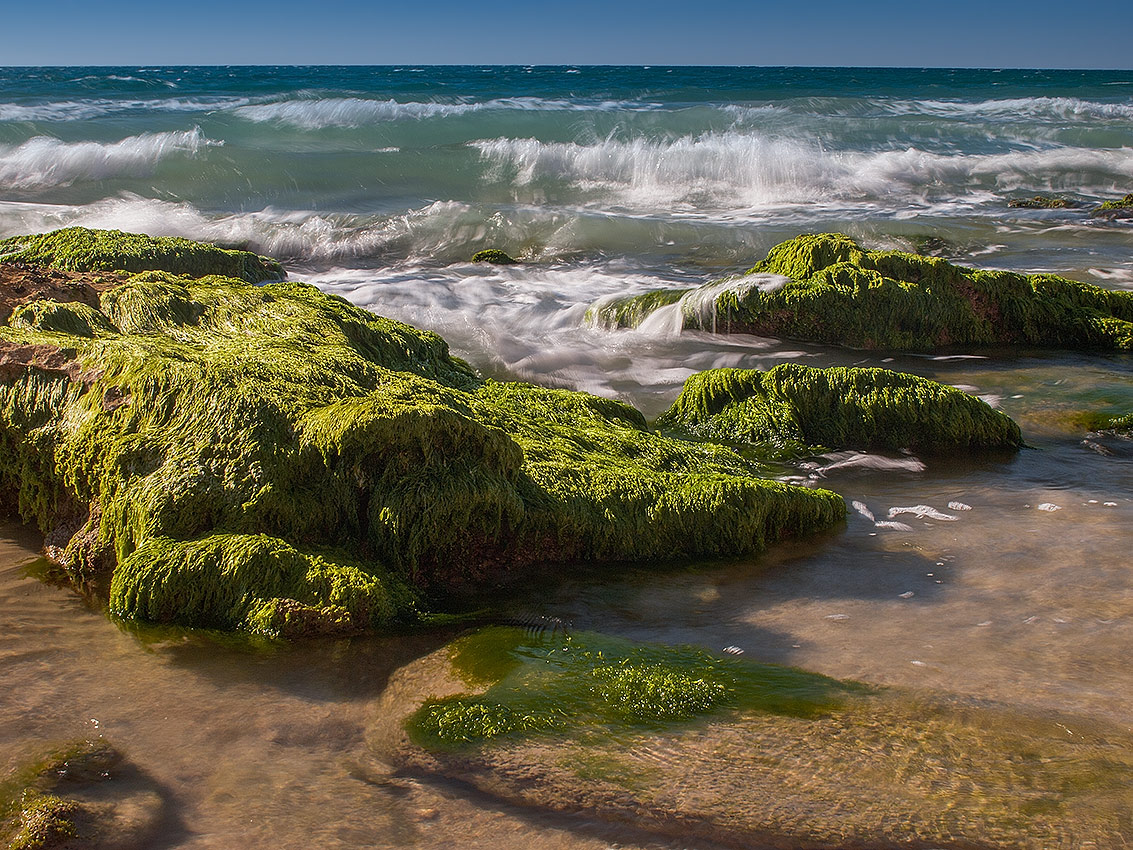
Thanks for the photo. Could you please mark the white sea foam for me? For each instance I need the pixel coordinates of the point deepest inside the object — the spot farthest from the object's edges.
(751, 169)
(923, 512)
(1011, 109)
(318, 113)
(85, 110)
(863, 460)
(44, 161)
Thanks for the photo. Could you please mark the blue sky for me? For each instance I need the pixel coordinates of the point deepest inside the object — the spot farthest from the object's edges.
(965, 33)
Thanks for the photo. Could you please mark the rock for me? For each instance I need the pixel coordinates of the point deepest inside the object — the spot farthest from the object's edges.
(1042, 202)
(494, 256)
(272, 458)
(825, 288)
(817, 410)
(1115, 210)
(79, 249)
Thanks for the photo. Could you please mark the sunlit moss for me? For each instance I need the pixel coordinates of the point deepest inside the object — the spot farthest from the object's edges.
(79, 249)
(836, 292)
(273, 458)
(837, 408)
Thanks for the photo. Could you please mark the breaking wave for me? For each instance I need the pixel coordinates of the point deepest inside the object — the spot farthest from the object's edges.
(44, 161)
(751, 169)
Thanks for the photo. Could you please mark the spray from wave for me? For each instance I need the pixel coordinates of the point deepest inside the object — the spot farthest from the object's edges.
(44, 161)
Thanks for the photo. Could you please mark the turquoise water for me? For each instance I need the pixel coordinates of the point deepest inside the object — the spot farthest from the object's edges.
(379, 184)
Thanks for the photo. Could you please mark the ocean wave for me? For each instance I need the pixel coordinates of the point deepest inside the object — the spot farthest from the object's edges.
(45, 161)
(348, 112)
(85, 110)
(752, 170)
(1012, 109)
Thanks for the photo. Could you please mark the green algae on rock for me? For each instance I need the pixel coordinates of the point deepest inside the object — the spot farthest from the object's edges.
(597, 684)
(79, 249)
(837, 408)
(275, 459)
(1041, 202)
(494, 256)
(1120, 208)
(825, 288)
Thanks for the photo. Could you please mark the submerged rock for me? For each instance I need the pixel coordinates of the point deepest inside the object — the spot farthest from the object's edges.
(825, 288)
(837, 408)
(682, 742)
(273, 458)
(80, 794)
(494, 256)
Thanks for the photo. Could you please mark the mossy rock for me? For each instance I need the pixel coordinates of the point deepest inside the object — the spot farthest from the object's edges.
(272, 458)
(1122, 208)
(79, 249)
(1120, 425)
(838, 408)
(1041, 202)
(494, 256)
(826, 288)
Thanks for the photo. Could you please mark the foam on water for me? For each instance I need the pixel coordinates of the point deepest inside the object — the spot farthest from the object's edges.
(44, 161)
(752, 169)
(86, 110)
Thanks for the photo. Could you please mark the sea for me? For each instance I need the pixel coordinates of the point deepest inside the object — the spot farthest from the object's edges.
(380, 183)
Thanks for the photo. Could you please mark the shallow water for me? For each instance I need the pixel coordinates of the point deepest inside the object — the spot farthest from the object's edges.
(378, 185)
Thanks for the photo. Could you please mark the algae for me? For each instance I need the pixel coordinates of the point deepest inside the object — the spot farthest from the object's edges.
(494, 256)
(833, 291)
(79, 249)
(837, 408)
(275, 459)
(587, 683)
(1119, 204)
(1041, 202)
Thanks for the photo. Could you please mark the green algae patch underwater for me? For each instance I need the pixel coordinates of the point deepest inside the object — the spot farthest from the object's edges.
(792, 406)
(592, 684)
(494, 256)
(274, 459)
(826, 288)
(79, 249)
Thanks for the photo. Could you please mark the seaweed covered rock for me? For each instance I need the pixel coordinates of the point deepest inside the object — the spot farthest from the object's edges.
(275, 459)
(838, 408)
(826, 288)
(1122, 208)
(78, 794)
(1041, 202)
(494, 256)
(79, 249)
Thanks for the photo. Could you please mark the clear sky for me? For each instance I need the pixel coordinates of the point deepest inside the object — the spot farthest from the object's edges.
(962, 33)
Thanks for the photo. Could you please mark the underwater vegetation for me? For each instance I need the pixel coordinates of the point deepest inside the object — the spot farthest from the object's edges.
(838, 408)
(587, 682)
(272, 458)
(825, 288)
(494, 256)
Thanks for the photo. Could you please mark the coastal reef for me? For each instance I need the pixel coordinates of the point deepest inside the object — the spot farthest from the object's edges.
(825, 288)
(682, 742)
(1121, 208)
(1041, 202)
(838, 408)
(272, 458)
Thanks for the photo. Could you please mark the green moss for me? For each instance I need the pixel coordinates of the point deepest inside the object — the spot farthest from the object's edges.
(589, 683)
(1124, 203)
(78, 249)
(494, 256)
(631, 311)
(837, 408)
(32, 815)
(1041, 202)
(1121, 425)
(45, 821)
(830, 290)
(273, 458)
